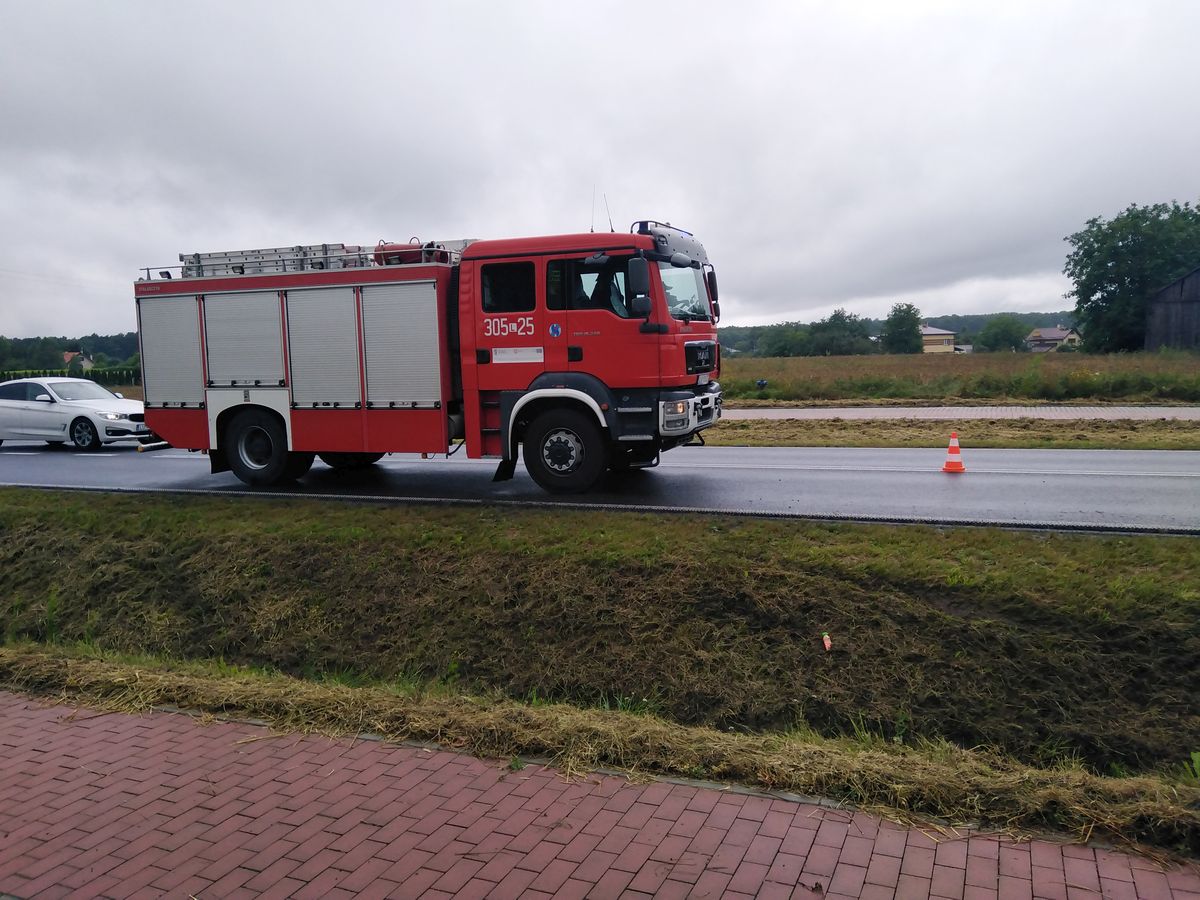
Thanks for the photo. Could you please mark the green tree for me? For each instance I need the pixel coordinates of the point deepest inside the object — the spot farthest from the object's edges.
(1116, 264)
(788, 339)
(842, 334)
(902, 330)
(1003, 332)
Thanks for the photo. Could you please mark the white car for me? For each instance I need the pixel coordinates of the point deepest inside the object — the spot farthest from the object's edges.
(56, 410)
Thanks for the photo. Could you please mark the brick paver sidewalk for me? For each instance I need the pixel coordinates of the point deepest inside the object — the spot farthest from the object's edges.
(113, 805)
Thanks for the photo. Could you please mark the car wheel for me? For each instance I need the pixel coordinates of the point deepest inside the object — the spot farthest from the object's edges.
(350, 460)
(565, 451)
(256, 448)
(298, 465)
(84, 436)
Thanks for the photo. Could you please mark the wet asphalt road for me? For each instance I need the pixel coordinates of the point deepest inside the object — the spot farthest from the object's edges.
(1106, 489)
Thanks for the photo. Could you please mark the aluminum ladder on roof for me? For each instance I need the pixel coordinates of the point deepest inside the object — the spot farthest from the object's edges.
(272, 260)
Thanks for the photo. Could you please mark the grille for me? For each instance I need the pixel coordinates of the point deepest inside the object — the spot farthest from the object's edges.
(137, 417)
(700, 356)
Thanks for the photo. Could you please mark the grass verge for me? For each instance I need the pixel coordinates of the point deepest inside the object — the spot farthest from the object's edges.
(1074, 434)
(931, 779)
(1047, 648)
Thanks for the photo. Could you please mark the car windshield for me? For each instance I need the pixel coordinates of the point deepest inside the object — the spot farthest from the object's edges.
(687, 297)
(81, 390)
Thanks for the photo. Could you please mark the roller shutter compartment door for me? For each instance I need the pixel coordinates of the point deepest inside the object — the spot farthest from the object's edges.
(172, 370)
(244, 339)
(403, 358)
(323, 347)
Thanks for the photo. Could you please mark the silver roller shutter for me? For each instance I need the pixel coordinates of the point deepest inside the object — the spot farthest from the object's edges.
(244, 339)
(323, 347)
(400, 330)
(172, 370)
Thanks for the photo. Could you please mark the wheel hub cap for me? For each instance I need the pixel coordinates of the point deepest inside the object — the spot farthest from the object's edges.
(562, 451)
(255, 448)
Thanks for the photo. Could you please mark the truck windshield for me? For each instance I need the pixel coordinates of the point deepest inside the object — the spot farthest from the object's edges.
(687, 295)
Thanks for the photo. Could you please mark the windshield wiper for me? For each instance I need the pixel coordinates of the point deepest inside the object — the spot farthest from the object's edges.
(690, 316)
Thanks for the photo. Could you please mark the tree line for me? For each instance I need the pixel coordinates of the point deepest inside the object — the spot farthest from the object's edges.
(46, 353)
(846, 334)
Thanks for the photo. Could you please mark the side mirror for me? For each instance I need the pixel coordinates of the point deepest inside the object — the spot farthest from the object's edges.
(681, 261)
(639, 279)
(640, 305)
(716, 311)
(44, 398)
(118, 394)
(712, 285)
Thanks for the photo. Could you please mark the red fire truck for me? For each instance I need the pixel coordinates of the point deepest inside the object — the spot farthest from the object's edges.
(589, 352)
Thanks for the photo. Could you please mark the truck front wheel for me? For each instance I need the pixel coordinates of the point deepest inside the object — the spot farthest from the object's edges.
(256, 447)
(565, 451)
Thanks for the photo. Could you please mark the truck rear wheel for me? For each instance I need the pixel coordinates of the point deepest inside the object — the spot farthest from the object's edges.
(565, 451)
(256, 447)
(350, 460)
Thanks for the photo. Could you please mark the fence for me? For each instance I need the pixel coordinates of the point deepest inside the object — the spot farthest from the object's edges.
(100, 376)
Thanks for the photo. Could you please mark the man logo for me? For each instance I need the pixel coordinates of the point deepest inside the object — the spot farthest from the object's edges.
(555, 330)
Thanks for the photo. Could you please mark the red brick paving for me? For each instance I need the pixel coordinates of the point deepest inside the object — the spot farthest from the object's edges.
(111, 805)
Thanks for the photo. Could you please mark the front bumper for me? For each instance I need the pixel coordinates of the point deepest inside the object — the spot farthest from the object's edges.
(681, 413)
(124, 431)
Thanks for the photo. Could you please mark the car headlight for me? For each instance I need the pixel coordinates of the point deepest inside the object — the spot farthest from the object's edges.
(113, 417)
(675, 408)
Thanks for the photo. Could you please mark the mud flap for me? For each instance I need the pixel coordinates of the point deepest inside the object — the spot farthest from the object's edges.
(505, 470)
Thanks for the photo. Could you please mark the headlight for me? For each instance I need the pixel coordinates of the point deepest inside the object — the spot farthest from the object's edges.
(113, 417)
(675, 408)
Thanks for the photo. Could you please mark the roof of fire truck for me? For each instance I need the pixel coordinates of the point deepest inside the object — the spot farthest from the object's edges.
(564, 243)
(644, 235)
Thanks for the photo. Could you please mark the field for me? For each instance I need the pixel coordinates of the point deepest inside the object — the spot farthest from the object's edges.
(980, 658)
(1134, 377)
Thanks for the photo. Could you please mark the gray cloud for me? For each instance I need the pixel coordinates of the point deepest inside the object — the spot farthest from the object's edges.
(935, 152)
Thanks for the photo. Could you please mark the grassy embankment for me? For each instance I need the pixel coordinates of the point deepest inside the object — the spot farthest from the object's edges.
(1025, 680)
(1052, 377)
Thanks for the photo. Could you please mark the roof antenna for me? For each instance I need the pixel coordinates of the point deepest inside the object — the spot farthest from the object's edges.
(606, 209)
(592, 229)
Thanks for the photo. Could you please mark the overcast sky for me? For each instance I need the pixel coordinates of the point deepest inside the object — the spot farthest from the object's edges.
(850, 154)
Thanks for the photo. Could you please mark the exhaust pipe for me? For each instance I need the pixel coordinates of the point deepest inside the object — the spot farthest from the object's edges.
(147, 448)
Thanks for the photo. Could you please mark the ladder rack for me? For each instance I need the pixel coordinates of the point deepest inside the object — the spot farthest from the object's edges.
(305, 257)
(274, 259)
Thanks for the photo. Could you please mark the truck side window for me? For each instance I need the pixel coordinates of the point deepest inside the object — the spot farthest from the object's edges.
(508, 287)
(570, 284)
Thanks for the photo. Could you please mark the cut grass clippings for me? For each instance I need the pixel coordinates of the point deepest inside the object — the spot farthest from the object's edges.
(1074, 434)
(938, 780)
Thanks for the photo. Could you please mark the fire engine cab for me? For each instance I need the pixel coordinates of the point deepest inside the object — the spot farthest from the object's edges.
(582, 352)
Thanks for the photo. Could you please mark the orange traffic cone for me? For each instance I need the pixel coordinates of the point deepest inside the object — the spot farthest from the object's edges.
(953, 456)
